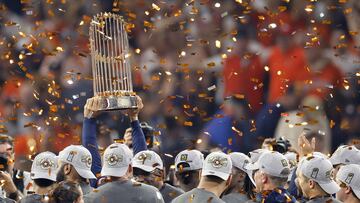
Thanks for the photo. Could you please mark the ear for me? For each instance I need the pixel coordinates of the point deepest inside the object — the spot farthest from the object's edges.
(264, 178)
(67, 169)
(130, 171)
(312, 184)
(348, 190)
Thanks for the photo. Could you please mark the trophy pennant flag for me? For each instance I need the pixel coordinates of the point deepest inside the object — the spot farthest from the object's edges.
(110, 60)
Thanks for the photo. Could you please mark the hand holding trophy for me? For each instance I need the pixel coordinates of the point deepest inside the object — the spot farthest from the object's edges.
(111, 69)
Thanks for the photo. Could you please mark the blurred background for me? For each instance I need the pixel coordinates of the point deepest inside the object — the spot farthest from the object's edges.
(212, 74)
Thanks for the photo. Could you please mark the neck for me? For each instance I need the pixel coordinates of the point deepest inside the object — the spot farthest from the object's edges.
(238, 187)
(212, 187)
(316, 193)
(42, 190)
(351, 199)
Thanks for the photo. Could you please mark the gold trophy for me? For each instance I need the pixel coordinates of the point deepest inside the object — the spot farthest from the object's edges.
(110, 60)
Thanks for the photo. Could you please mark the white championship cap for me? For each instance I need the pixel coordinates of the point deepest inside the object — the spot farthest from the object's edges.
(240, 161)
(319, 169)
(80, 158)
(147, 161)
(272, 163)
(345, 155)
(255, 154)
(117, 159)
(217, 164)
(189, 160)
(350, 175)
(45, 165)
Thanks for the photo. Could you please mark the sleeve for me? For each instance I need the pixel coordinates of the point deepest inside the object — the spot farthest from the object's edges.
(89, 142)
(138, 137)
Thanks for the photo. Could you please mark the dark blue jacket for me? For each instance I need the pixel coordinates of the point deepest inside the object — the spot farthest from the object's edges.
(89, 141)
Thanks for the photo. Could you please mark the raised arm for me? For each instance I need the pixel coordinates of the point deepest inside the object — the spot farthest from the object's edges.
(89, 140)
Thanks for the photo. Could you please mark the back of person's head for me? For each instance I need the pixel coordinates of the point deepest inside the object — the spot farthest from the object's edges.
(66, 192)
(117, 161)
(188, 165)
(43, 169)
(217, 169)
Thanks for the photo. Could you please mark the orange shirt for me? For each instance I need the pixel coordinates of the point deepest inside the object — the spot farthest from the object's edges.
(244, 79)
(285, 69)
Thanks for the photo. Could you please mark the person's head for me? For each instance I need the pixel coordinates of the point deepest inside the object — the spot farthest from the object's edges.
(344, 155)
(43, 169)
(188, 165)
(237, 107)
(239, 172)
(149, 168)
(270, 171)
(216, 172)
(75, 164)
(67, 192)
(7, 154)
(314, 177)
(348, 177)
(117, 161)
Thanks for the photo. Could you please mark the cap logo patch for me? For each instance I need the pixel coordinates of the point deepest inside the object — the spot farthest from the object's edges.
(349, 178)
(246, 162)
(314, 173)
(184, 157)
(142, 157)
(87, 160)
(218, 162)
(45, 163)
(113, 159)
(71, 156)
(284, 162)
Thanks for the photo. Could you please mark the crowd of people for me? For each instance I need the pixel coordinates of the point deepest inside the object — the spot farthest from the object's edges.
(244, 101)
(273, 173)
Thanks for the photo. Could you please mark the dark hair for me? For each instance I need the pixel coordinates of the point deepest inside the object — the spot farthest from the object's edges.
(249, 188)
(65, 192)
(43, 182)
(187, 177)
(214, 179)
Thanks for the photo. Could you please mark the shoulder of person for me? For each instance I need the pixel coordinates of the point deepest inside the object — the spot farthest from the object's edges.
(178, 190)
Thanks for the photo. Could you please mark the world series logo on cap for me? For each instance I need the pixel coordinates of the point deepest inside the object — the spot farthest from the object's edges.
(45, 163)
(218, 162)
(110, 61)
(87, 160)
(113, 159)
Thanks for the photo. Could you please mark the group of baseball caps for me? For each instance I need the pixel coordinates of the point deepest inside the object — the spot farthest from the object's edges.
(118, 157)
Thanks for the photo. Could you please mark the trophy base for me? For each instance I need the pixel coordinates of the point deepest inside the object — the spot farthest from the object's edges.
(113, 103)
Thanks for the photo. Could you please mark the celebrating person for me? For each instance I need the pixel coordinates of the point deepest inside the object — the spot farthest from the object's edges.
(348, 177)
(43, 174)
(117, 167)
(215, 178)
(270, 174)
(188, 166)
(75, 165)
(315, 181)
(149, 169)
(240, 189)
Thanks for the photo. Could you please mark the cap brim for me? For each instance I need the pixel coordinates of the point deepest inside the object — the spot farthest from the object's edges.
(115, 172)
(331, 187)
(252, 167)
(334, 161)
(43, 175)
(85, 173)
(221, 175)
(143, 167)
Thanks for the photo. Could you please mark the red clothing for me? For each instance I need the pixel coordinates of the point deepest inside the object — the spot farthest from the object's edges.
(324, 80)
(244, 77)
(285, 69)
